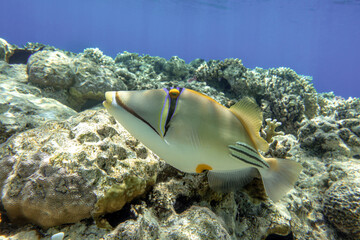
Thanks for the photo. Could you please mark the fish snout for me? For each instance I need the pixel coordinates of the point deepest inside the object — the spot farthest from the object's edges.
(108, 99)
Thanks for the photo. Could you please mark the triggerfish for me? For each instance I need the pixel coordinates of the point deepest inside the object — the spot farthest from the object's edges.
(193, 133)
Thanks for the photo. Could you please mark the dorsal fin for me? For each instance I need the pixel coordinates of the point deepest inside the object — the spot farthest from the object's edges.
(251, 117)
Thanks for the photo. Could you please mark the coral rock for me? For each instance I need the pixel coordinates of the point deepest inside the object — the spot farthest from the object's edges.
(92, 79)
(342, 206)
(50, 69)
(22, 107)
(322, 135)
(67, 171)
(6, 50)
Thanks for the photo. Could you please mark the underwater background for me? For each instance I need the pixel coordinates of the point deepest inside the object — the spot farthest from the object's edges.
(70, 170)
(317, 38)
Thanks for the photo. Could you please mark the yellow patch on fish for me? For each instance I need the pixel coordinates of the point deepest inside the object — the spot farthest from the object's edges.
(202, 167)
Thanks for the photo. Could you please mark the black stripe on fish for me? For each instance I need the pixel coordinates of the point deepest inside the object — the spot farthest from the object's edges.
(241, 159)
(131, 111)
(173, 103)
(247, 147)
(255, 157)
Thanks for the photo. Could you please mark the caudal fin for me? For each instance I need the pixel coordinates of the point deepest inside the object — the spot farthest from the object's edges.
(280, 177)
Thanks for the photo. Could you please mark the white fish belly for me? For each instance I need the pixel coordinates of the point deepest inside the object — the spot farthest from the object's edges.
(187, 158)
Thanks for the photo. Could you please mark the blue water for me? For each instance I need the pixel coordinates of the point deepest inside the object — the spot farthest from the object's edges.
(320, 38)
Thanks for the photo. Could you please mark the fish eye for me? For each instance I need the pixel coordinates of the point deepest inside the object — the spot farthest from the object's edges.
(174, 93)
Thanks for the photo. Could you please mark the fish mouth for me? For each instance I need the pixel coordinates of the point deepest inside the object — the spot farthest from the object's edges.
(116, 101)
(109, 99)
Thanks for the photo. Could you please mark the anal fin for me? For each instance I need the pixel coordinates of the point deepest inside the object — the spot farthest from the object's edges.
(231, 180)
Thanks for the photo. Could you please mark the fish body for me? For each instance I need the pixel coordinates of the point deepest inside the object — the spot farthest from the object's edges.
(193, 133)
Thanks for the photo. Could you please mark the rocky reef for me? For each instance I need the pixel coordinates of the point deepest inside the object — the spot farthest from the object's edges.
(67, 166)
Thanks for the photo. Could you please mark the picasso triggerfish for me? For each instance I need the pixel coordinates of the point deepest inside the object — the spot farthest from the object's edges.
(193, 133)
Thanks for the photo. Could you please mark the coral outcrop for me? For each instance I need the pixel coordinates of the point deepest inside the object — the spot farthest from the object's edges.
(50, 69)
(91, 77)
(342, 207)
(84, 76)
(22, 106)
(270, 130)
(284, 95)
(338, 107)
(5, 50)
(62, 172)
(144, 72)
(328, 136)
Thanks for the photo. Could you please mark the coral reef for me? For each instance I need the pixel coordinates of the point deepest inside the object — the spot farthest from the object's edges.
(222, 74)
(327, 136)
(284, 95)
(144, 72)
(339, 108)
(61, 163)
(14, 55)
(97, 56)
